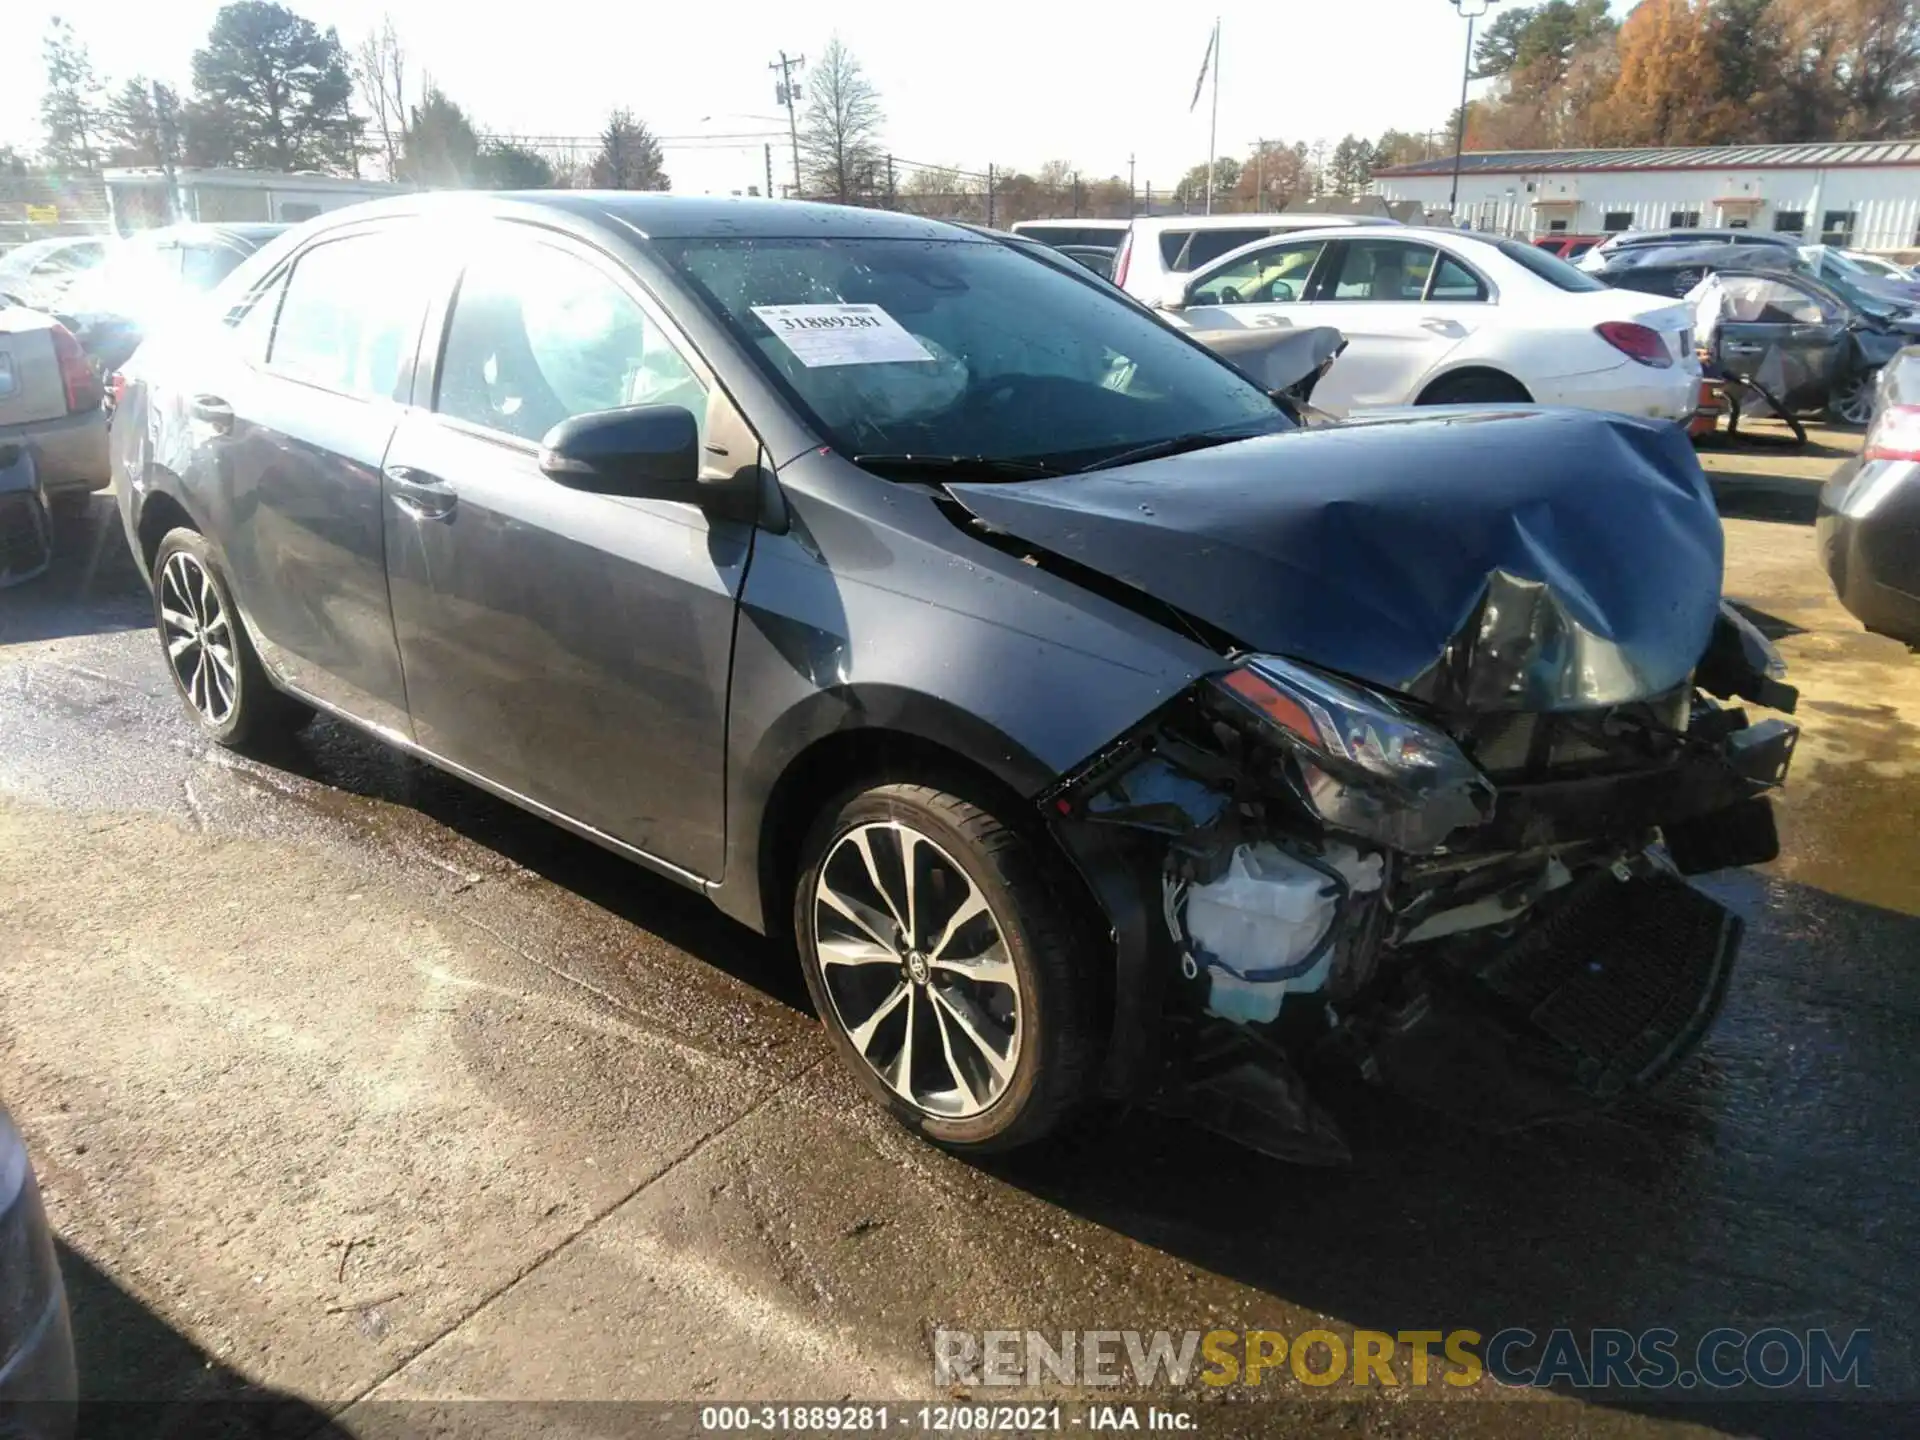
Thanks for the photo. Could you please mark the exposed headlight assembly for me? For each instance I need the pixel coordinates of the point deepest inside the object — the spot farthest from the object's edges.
(1364, 766)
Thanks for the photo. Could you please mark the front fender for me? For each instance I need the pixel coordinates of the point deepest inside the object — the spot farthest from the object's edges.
(917, 630)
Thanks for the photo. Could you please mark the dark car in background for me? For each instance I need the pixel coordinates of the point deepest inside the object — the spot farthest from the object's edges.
(1824, 343)
(1869, 526)
(149, 280)
(1089, 726)
(1613, 247)
(37, 1380)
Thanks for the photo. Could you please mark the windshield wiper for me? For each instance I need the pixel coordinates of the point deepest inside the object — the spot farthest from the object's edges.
(987, 467)
(1177, 445)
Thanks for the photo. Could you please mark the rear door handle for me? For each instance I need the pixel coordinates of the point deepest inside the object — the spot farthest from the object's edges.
(213, 410)
(423, 496)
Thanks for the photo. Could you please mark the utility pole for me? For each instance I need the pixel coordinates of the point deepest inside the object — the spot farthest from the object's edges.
(989, 194)
(1213, 124)
(788, 91)
(890, 204)
(769, 149)
(1472, 9)
(1130, 187)
(1259, 175)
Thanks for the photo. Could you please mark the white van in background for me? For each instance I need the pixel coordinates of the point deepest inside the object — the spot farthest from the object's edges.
(1157, 247)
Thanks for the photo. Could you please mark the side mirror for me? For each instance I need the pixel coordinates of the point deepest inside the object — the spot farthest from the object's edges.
(1173, 295)
(646, 452)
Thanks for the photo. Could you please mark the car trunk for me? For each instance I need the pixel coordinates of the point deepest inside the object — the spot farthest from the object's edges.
(1673, 320)
(31, 387)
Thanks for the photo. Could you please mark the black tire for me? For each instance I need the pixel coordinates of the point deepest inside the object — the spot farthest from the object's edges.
(1054, 1060)
(255, 712)
(1483, 389)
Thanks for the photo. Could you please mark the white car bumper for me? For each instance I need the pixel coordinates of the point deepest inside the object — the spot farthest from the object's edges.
(1629, 388)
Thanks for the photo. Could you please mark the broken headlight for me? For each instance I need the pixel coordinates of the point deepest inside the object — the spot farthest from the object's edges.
(1363, 765)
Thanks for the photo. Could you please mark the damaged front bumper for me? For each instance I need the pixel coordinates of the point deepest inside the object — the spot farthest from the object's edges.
(1482, 912)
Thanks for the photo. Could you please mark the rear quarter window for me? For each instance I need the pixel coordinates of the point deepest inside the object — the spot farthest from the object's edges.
(1550, 268)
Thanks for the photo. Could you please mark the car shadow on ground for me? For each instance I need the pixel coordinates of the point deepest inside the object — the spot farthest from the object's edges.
(1756, 1189)
(141, 1379)
(92, 586)
(1761, 497)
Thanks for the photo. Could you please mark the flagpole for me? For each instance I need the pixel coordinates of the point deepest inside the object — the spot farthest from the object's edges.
(1213, 125)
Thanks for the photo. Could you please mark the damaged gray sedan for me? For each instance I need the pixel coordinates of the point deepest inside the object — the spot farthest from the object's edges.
(1089, 725)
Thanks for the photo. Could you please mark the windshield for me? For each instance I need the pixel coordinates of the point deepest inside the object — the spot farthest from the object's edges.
(962, 348)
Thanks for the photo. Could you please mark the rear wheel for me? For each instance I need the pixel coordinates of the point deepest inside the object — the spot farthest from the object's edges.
(1481, 389)
(1852, 403)
(943, 964)
(208, 652)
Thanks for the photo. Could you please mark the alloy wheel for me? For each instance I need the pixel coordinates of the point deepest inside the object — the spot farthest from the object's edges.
(1854, 405)
(198, 634)
(916, 967)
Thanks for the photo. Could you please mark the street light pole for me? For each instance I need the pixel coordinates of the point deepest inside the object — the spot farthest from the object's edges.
(1472, 9)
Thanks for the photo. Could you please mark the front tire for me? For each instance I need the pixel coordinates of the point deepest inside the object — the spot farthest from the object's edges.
(942, 962)
(208, 651)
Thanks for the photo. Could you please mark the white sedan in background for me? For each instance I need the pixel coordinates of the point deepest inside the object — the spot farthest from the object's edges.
(1446, 317)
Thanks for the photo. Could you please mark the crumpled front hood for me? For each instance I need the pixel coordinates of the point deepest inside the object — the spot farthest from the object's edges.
(1524, 559)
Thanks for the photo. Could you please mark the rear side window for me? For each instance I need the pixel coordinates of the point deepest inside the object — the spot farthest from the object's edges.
(1383, 270)
(1184, 250)
(351, 315)
(1550, 268)
(1453, 281)
(539, 335)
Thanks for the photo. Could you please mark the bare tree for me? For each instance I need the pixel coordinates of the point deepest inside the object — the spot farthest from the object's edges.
(380, 71)
(840, 142)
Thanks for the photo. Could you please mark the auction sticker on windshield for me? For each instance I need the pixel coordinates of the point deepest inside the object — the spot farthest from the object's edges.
(822, 335)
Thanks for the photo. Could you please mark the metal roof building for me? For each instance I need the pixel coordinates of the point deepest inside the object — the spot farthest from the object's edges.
(1864, 193)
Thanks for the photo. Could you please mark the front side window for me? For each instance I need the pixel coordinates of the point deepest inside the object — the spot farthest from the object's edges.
(932, 347)
(351, 314)
(1385, 270)
(1266, 277)
(539, 335)
(1748, 299)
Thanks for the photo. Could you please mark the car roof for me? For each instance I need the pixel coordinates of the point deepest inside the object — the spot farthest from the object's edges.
(651, 215)
(1293, 220)
(1058, 223)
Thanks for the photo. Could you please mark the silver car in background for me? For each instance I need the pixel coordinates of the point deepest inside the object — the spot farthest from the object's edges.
(50, 402)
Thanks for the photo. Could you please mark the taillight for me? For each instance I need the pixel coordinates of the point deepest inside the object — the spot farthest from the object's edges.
(1895, 434)
(116, 389)
(82, 385)
(1120, 261)
(1636, 342)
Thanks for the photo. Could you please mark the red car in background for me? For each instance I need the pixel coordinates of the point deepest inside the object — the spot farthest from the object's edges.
(1568, 247)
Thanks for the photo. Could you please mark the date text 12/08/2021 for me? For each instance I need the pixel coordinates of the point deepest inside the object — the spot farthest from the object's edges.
(942, 1418)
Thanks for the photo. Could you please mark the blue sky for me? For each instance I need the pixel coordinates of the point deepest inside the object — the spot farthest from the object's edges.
(961, 84)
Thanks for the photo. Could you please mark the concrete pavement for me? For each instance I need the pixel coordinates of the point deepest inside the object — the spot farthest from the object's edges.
(362, 1087)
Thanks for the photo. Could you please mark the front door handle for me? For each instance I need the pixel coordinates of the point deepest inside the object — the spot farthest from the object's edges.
(213, 410)
(423, 496)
